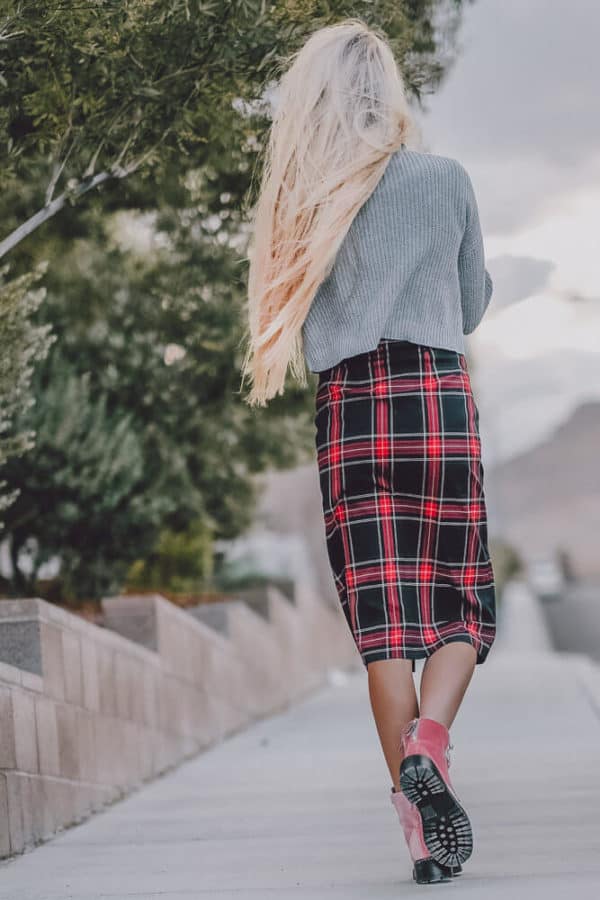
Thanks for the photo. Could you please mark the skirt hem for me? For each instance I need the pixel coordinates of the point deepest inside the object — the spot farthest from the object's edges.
(375, 654)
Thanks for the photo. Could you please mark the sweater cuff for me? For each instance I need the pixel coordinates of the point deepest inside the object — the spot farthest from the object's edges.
(489, 287)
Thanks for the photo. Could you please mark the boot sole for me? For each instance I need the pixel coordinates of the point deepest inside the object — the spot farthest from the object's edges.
(446, 826)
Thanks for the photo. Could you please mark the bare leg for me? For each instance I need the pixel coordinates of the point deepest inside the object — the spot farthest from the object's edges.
(394, 703)
(444, 680)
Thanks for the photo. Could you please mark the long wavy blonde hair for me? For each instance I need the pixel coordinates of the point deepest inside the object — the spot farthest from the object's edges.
(341, 112)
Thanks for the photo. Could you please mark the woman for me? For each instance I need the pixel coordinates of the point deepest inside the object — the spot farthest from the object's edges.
(368, 266)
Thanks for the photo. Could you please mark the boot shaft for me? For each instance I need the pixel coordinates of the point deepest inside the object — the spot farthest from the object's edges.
(427, 737)
(412, 826)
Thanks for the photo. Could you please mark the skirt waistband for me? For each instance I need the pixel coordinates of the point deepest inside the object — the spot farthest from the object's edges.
(399, 356)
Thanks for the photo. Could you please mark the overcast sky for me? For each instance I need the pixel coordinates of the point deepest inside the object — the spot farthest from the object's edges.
(520, 110)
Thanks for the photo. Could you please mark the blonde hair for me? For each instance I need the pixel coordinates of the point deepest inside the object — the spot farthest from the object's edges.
(341, 112)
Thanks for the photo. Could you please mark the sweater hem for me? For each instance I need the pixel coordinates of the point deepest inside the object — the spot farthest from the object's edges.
(321, 365)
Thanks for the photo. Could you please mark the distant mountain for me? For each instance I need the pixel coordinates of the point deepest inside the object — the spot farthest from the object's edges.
(549, 497)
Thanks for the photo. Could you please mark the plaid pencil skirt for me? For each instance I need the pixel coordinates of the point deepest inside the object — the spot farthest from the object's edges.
(398, 452)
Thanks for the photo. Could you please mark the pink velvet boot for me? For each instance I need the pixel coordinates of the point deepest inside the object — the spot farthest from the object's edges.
(425, 869)
(425, 781)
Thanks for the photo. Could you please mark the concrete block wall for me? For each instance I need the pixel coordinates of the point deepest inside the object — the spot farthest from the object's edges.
(88, 713)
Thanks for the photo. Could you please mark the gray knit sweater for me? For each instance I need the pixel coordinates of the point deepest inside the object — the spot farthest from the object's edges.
(410, 267)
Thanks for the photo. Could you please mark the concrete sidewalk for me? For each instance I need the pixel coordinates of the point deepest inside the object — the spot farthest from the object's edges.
(298, 805)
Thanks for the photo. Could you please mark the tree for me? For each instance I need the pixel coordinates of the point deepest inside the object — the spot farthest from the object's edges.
(95, 92)
(23, 343)
(157, 342)
(83, 495)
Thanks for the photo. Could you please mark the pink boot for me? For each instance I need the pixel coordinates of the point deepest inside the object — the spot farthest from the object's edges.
(425, 781)
(425, 869)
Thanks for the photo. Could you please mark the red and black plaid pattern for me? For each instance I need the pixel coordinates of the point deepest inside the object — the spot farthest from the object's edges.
(398, 450)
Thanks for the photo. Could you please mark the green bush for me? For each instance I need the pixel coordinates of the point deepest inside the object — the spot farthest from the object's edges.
(181, 562)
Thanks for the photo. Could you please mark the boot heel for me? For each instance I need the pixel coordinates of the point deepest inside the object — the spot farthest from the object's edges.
(428, 871)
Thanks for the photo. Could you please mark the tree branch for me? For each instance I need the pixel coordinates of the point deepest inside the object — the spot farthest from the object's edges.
(50, 210)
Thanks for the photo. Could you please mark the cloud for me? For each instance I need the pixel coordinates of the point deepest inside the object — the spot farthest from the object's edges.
(529, 74)
(533, 363)
(543, 323)
(567, 234)
(518, 277)
(519, 108)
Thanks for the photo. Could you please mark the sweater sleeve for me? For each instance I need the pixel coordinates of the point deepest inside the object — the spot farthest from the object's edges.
(475, 282)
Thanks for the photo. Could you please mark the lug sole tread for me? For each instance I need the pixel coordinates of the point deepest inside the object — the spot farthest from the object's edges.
(446, 826)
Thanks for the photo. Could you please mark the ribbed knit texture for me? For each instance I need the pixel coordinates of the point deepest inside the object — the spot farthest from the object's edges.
(411, 266)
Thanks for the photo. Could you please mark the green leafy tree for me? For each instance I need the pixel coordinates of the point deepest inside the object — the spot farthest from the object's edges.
(95, 92)
(22, 344)
(82, 493)
(158, 340)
